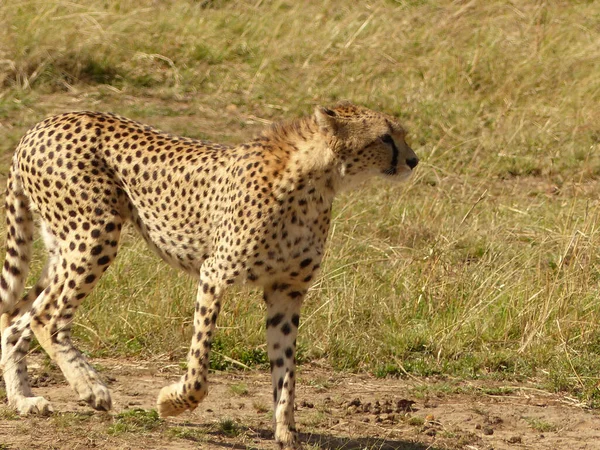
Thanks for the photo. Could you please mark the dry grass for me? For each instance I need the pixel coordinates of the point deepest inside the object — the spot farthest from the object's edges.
(485, 263)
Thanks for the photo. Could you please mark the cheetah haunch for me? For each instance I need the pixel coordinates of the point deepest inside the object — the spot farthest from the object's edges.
(255, 213)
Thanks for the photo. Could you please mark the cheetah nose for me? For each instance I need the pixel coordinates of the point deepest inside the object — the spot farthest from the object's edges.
(412, 162)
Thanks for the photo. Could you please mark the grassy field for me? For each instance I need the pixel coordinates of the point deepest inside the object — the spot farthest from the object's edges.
(484, 265)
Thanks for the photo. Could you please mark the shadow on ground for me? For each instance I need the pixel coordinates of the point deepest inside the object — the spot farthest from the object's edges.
(325, 442)
(330, 443)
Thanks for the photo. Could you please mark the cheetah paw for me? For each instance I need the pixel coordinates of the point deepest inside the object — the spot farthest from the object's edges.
(170, 402)
(288, 439)
(96, 395)
(32, 405)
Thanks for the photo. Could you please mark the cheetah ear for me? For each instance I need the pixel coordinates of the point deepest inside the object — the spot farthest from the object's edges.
(326, 119)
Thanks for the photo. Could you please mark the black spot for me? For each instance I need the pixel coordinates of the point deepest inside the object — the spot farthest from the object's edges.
(286, 329)
(103, 260)
(96, 250)
(305, 262)
(275, 320)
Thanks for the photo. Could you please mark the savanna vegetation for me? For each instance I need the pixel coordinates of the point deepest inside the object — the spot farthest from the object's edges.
(484, 265)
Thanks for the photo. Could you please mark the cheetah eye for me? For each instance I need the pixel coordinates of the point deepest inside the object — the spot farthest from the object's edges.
(389, 140)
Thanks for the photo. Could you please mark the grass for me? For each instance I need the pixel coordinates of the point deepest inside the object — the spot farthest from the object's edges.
(229, 427)
(8, 414)
(540, 425)
(69, 420)
(239, 389)
(188, 433)
(484, 265)
(416, 421)
(135, 420)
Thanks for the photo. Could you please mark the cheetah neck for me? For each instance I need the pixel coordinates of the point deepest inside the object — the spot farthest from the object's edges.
(311, 165)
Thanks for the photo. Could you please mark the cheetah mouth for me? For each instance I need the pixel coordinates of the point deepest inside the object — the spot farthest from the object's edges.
(396, 173)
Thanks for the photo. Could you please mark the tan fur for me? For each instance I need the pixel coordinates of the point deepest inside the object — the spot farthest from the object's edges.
(255, 213)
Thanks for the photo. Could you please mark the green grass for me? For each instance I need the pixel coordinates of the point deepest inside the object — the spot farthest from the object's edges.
(229, 427)
(8, 414)
(239, 389)
(69, 420)
(187, 433)
(540, 425)
(485, 265)
(135, 420)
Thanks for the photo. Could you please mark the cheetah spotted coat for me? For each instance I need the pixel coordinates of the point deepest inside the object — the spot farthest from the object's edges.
(255, 213)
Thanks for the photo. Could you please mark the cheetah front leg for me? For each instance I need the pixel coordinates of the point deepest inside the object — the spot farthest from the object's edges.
(193, 386)
(283, 316)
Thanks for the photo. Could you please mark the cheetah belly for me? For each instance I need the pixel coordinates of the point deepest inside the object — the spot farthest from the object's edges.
(182, 244)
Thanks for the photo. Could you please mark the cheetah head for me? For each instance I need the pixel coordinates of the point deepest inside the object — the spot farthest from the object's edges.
(368, 142)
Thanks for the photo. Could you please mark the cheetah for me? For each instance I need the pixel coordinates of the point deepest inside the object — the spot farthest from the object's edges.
(256, 213)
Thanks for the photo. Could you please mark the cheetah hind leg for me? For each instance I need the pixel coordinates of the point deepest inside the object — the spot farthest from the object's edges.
(16, 339)
(52, 315)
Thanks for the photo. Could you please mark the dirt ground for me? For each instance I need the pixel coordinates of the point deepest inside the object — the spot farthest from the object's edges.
(334, 411)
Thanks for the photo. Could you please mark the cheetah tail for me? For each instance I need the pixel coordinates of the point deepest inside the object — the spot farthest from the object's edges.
(19, 238)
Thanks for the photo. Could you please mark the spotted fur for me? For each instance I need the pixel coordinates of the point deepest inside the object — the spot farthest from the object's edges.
(255, 213)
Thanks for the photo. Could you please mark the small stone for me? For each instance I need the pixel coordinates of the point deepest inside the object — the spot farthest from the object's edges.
(355, 402)
(488, 431)
(494, 420)
(404, 405)
(514, 440)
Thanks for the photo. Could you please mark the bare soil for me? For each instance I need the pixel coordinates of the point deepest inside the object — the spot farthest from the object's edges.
(334, 411)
